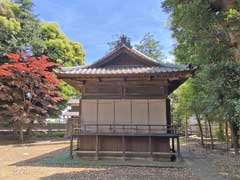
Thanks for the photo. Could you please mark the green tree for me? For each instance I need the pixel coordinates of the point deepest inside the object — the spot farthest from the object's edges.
(58, 47)
(208, 37)
(150, 47)
(20, 30)
(19, 27)
(188, 100)
(61, 50)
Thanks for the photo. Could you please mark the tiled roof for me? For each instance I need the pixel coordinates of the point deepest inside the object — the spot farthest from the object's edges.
(124, 70)
(99, 68)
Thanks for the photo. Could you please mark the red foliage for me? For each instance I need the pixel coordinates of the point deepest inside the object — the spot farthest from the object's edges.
(13, 56)
(39, 65)
(25, 75)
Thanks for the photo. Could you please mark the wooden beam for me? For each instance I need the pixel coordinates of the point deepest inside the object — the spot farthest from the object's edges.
(161, 75)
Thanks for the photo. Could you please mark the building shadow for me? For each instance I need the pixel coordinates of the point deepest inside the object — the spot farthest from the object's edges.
(10, 139)
(39, 160)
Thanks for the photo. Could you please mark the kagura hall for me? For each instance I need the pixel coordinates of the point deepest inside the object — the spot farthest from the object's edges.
(124, 109)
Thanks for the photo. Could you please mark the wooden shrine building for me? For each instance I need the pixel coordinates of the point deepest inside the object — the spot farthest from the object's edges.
(124, 110)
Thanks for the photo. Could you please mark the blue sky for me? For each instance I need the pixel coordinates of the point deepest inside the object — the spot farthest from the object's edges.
(96, 22)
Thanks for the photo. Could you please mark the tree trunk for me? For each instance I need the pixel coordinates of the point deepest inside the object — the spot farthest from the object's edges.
(29, 129)
(234, 35)
(200, 128)
(210, 132)
(235, 139)
(21, 133)
(186, 129)
(226, 134)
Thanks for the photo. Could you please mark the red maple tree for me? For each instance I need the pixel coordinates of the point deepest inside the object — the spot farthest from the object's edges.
(28, 91)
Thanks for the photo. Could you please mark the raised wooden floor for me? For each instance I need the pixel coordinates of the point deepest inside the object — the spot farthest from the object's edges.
(146, 149)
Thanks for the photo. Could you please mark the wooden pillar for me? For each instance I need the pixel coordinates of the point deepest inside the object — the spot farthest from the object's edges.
(178, 148)
(71, 147)
(97, 115)
(78, 142)
(114, 116)
(123, 148)
(150, 146)
(131, 112)
(148, 108)
(80, 113)
(173, 145)
(168, 115)
(96, 156)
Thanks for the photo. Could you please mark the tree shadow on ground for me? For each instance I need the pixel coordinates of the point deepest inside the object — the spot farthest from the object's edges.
(39, 160)
(10, 139)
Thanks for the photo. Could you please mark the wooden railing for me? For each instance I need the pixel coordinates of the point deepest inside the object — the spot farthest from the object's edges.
(126, 128)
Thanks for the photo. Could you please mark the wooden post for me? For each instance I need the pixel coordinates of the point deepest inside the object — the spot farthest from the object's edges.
(148, 108)
(168, 114)
(80, 113)
(97, 113)
(71, 147)
(173, 145)
(150, 146)
(186, 130)
(131, 112)
(78, 142)
(123, 148)
(178, 148)
(114, 115)
(96, 157)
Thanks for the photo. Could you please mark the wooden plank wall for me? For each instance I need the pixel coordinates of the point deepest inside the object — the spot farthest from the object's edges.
(122, 89)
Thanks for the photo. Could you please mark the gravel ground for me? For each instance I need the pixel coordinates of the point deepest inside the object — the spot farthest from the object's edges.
(226, 164)
(20, 162)
(209, 164)
(23, 162)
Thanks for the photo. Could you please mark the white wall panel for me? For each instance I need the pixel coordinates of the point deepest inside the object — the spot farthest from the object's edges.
(124, 111)
(89, 112)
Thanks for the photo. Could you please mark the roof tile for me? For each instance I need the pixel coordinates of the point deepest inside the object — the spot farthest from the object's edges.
(163, 68)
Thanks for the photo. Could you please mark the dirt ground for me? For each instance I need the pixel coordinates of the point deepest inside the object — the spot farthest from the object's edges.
(216, 164)
(21, 162)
